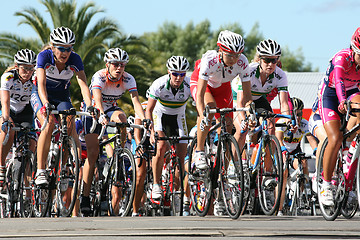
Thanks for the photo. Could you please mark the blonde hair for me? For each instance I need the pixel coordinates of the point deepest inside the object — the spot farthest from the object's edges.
(10, 68)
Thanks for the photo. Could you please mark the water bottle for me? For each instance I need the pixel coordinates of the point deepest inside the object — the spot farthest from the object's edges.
(53, 152)
(347, 162)
(292, 190)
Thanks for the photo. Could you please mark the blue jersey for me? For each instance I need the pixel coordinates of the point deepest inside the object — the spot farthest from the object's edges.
(56, 80)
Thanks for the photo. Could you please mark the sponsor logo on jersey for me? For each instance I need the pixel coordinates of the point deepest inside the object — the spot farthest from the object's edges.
(332, 113)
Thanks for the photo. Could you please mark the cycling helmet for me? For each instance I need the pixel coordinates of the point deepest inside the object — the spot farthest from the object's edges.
(177, 63)
(268, 48)
(131, 120)
(230, 42)
(62, 36)
(355, 41)
(116, 55)
(298, 104)
(25, 56)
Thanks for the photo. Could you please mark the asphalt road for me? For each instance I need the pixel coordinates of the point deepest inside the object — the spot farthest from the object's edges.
(246, 227)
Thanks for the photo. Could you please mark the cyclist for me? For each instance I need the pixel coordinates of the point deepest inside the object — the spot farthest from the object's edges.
(166, 107)
(15, 91)
(210, 85)
(340, 84)
(291, 146)
(56, 65)
(107, 86)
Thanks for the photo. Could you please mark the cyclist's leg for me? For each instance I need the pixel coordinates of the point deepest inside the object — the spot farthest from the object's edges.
(157, 164)
(4, 151)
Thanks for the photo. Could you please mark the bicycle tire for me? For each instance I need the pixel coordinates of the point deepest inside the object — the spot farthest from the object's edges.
(40, 196)
(95, 191)
(166, 184)
(200, 184)
(269, 182)
(26, 209)
(245, 158)
(68, 178)
(330, 213)
(177, 195)
(127, 173)
(232, 178)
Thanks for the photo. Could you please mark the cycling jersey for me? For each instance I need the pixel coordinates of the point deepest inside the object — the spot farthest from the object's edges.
(112, 91)
(342, 73)
(277, 80)
(303, 130)
(56, 80)
(215, 73)
(170, 102)
(20, 93)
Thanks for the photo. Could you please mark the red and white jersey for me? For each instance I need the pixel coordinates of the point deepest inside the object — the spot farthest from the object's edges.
(112, 91)
(213, 71)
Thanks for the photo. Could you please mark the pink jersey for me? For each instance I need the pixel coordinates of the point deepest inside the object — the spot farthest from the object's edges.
(342, 73)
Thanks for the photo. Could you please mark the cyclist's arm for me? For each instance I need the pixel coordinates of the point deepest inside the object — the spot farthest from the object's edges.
(81, 78)
(280, 136)
(97, 95)
(200, 96)
(41, 83)
(312, 141)
(149, 110)
(5, 104)
(244, 97)
(284, 104)
(137, 105)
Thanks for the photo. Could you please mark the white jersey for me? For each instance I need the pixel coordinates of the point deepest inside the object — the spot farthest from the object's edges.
(20, 93)
(112, 91)
(168, 102)
(303, 130)
(213, 71)
(277, 80)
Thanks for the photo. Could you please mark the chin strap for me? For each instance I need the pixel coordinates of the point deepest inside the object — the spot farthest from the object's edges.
(111, 78)
(223, 65)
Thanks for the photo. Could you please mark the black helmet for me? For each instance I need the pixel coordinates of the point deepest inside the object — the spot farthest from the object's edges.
(298, 104)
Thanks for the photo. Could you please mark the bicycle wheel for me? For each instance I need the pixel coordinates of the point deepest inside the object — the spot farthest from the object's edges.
(270, 175)
(246, 158)
(330, 213)
(95, 191)
(26, 209)
(200, 183)
(122, 181)
(176, 188)
(40, 196)
(231, 176)
(68, 178)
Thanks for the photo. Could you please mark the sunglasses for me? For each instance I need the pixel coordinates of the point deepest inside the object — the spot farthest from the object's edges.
(63, 49)
(118, 64)
(26, 68)
(175, 74)
(270, 60)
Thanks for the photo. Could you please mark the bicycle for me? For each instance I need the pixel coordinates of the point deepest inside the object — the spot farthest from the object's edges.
(16, 202)
(118, 171)
(299, 198)
(59, 196)
(258, 174)
(172, 182)
(342, 184)
(225, 163)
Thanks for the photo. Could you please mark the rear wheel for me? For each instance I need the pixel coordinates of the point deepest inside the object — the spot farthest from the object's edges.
(122, 183)
(25, 188)
(270, 175)
(246, 158)
(232, 179)
(330, 213)
(199, 182)
(176, 188)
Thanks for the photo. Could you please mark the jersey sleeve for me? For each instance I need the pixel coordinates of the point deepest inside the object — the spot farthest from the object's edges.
(244, 75)
(6, 81)
(339, 62)
(97, 81)
(153, 90)
(282, 85)
(129, 82)
(43, 58)
(281, 129)
(75, 62)
(204, 71)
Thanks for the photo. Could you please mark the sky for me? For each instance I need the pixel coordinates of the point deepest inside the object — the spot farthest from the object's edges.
(318, 28)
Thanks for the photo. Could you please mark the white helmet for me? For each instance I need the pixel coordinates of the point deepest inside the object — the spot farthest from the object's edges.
(177, 63)
(62, 36)
(25, 56)
(116, 55)
(230, 41)
(268, 48)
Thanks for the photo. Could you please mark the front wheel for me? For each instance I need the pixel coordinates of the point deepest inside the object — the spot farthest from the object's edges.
(26, 209)
(68, 178)
(270, 175)
(176, 188)
(122, 183)
(330, 213)
(232, 178)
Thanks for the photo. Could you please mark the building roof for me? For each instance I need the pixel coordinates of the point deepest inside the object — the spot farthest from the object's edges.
(303, 85)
